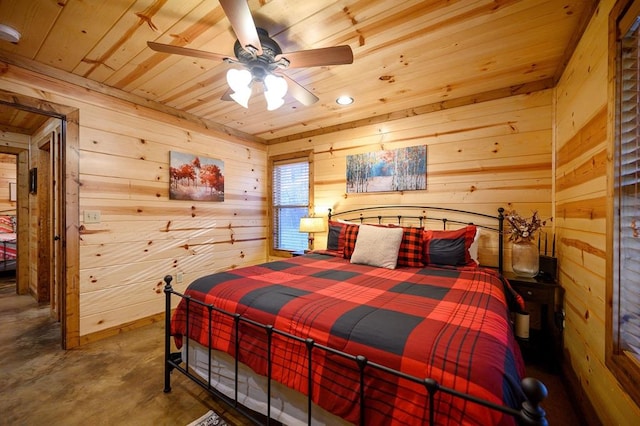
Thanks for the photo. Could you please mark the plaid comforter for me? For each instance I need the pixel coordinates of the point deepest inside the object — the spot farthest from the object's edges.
(451, 325)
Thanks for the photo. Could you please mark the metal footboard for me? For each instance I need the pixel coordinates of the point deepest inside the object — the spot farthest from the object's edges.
(529, 414)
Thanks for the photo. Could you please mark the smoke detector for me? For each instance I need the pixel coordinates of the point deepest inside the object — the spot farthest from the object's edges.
(9, 34)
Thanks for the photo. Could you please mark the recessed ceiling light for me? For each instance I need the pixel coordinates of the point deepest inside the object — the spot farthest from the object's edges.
(344, 100)
(9, 34)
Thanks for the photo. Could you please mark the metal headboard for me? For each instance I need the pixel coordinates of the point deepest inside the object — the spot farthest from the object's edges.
(378, 213)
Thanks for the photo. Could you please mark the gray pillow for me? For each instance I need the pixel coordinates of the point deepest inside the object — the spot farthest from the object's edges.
(377, 246)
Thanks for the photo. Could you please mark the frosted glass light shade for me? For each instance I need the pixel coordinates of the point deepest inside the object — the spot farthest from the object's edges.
(239, 81)
(276, 87)
(242, 97)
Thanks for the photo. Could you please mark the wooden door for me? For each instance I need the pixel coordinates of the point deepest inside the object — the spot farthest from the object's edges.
(45, 285)
(50, 268)
(55, 213)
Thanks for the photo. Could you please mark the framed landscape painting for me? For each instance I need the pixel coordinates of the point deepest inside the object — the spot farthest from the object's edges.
(402, 169)
(197, 178)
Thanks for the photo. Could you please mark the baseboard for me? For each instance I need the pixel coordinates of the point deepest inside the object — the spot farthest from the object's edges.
(102, 334)
(579, 399)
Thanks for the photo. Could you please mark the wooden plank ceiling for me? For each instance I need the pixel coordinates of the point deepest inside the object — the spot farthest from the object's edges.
(410, 56)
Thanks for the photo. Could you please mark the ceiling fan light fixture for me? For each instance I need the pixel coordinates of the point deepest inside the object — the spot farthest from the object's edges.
(276, 87)
(239, 81)
(261, 56)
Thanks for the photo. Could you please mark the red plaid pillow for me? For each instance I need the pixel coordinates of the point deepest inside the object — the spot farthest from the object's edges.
(335, 238)
(448, 247)
(410, 253)
(350, 236)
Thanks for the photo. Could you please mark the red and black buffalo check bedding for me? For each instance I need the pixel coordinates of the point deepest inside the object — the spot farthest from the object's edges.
(448, 324)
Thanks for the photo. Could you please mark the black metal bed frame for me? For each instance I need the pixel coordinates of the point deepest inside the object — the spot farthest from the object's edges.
(531, 413)
(7, 263)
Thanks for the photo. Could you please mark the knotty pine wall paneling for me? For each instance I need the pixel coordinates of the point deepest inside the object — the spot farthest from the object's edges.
(8, 175)
(142, 235)
(16, 146)
(582, 138)
(480, 157)
(11, 144)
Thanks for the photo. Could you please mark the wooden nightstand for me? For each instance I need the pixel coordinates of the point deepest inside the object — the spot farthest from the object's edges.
(544, 345)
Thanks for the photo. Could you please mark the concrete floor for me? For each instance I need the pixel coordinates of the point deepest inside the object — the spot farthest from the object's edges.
(118, 380)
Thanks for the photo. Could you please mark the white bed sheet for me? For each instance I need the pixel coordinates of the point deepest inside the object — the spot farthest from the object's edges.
(287, 405)
(8, 237)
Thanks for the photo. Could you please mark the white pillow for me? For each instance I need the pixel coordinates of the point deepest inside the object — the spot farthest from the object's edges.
(377, 246)
(473, 248)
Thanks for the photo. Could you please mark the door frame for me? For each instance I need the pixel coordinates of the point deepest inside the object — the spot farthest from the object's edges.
(69, 217)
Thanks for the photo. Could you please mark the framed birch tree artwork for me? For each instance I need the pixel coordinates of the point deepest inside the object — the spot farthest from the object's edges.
(197, 178)
(402, 169)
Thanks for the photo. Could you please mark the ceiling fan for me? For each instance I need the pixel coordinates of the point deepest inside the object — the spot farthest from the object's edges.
(262, 60)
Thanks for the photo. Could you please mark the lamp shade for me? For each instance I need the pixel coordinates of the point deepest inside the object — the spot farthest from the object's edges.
(311, 224)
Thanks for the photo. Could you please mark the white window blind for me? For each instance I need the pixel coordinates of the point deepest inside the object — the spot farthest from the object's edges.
(290, 203)
(627, 201)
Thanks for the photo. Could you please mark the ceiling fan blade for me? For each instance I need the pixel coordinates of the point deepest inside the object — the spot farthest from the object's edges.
(337, 55)
(301, 94)
(239, 15)
(185, 51)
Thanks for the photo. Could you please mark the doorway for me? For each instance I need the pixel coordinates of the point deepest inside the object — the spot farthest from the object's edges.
(8, 215)
(47, 183)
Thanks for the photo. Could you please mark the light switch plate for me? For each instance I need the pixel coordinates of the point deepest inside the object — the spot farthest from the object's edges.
(92, 216)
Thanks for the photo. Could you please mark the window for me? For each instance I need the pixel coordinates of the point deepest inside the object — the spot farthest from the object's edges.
(623, 335)
(291, 201)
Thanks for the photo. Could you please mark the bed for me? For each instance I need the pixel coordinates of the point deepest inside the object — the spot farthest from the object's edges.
(8, 241)
(351, 335)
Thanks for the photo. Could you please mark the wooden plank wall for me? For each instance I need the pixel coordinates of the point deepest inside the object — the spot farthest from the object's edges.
(10, 145)
(8, 174)
(13, 142)
(479, 157)
(581, 183)
(143, 236)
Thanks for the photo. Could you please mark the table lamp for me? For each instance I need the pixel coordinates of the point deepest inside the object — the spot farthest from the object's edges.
(311, 225)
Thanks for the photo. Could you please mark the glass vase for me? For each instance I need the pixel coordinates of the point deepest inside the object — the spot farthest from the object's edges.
(525, 259)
